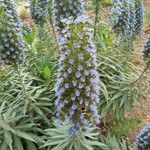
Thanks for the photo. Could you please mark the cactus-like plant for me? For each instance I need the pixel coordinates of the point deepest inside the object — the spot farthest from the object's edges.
(77, 88)
(142, 141)
(12, 47)
(39, 10)
(65, 9)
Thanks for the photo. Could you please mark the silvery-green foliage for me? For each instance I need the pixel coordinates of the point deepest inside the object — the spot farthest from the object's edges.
(65, 9)
(77, 87)
(12, 47)
(146, 50)
(39, 10)
(23, 89)
(114, 144)
(118, 93)
(16, 129)
(142, 141)
(59, 138)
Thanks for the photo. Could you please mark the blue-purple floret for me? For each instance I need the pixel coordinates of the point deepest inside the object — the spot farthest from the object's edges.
(12, 47)
(142, 141)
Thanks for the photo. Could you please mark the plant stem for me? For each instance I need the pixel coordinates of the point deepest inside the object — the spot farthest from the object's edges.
(96, 16)
(52, 25)
(51, 22)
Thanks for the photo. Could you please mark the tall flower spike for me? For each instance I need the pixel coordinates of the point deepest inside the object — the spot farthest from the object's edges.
(12, 47)
(39, 10)
(77, 88)
(139, 16)
(122, 17)
(142, 140)
(146, 50)
(64, 9)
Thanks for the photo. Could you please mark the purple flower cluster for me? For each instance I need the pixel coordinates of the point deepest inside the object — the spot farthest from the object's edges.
(146, 50)
(65, 9)
(139, 16)
(39, 10)
(143, 138)
(11, 42)
(127, 17)
(77, 87)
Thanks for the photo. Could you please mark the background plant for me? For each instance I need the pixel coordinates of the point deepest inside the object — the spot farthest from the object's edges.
(142, 139)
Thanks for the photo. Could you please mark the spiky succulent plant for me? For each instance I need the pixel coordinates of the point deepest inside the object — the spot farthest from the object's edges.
(11, 42)
(142, 141)
(146, 50)
(39, 10)
(77, 88)
(139, 16)
(65, 9)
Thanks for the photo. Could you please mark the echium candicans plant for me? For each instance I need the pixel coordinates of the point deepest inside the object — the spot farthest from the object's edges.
(39, 10)
(122, 18)
(142, 141)
(139, 17)
(12, 46)
(77, 87)
(64, 9)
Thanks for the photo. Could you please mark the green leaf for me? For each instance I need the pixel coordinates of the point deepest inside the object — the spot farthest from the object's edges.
(17, 143)
(86, 145)
(24, 135)
(47, 71)
(30, 145)
(6, 126)
(8, 139)
(3, 146)
(62, 146)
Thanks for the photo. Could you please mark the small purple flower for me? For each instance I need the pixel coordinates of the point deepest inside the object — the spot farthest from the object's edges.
(80, 56)
(71, 61)
(86, 72)
(80, 86)
(77, 46)
(74, 83)
(69, 70)
(67, 52)
(80, 67)
(88, 63)
(77, 93)
(72, 131)
(78, 74)
(83, 78)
